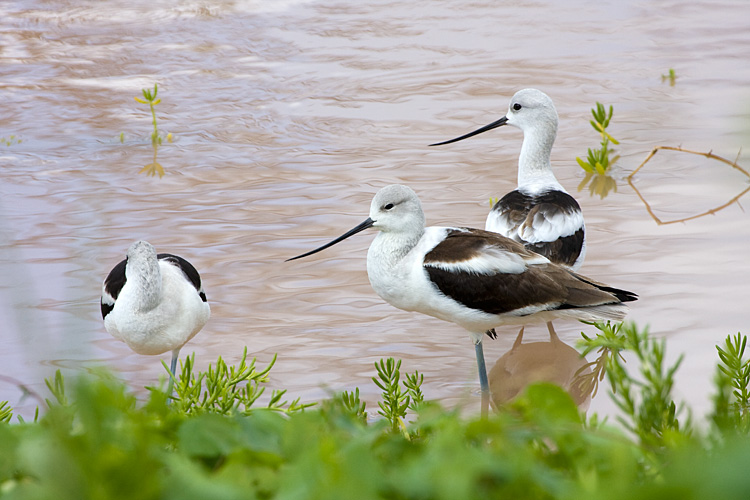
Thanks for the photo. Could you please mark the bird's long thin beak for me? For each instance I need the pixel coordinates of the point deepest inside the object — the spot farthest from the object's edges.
(499, 123)
(366, 224)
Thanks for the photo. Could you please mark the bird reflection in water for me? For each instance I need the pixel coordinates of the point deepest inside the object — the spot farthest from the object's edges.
(552, 361)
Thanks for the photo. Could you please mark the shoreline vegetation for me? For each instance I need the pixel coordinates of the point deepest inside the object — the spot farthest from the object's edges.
(215, 440)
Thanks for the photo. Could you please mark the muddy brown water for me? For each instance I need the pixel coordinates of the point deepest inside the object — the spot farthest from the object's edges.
(286, 118)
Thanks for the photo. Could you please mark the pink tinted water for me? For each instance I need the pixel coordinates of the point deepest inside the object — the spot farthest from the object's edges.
(287, 117)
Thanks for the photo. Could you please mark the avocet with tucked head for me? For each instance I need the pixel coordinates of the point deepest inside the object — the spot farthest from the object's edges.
(476, 279)
(154, 303)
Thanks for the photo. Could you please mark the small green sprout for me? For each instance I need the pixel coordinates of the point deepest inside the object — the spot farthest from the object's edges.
(56, 387)
(602, 118)
(151, 99)
(671, 77)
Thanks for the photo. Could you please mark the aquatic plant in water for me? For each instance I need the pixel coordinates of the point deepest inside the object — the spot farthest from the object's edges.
(598, 160)
(151, 99)
(671, 76)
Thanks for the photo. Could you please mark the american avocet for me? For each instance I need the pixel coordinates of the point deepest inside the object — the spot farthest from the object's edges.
(154, 303)
(474, 278)
(539, 213)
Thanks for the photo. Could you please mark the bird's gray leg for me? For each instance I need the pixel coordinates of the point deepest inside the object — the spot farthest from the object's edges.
(483, 383)
(173, 368)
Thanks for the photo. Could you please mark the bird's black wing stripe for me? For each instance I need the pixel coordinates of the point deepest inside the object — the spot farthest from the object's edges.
(187, 268)
(563, 250)
(494, 294)
(522, 203)
(491, 293)
(622, 295)
(106, 309)
(113, 285)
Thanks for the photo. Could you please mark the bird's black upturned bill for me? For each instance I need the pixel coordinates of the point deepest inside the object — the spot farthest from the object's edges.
(499, 123)
(365, 225)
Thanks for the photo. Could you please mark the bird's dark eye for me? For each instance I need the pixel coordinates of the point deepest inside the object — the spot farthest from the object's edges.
(388, 206)
(517, 106)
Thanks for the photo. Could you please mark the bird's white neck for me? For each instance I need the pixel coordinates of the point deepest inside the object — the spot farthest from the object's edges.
(534, 168)
(393, 246)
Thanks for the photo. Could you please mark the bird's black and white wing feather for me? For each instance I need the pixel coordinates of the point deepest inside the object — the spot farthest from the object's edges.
(187, 269)
(116, 280)
(549, 223)
(112, 286)
(487, 272)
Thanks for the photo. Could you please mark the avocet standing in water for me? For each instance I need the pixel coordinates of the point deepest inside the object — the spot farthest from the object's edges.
(476, 279)
(154, 302)
(539, 213)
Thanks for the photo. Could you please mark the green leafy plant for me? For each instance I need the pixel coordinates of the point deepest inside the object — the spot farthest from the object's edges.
(97, 439)
(150, 98)
(598, 160)
(413, 384)
(646, 402)
(226, 389)
(395, 401)
(56, 387)
(732, 401)
(353, 404)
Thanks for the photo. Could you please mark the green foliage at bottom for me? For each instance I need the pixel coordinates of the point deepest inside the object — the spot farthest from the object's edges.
(97, 441)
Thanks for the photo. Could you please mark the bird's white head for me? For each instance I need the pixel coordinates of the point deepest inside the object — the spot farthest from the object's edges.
(532, 109)
(397, 209)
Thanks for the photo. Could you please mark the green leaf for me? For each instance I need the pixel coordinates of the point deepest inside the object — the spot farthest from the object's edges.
(208, 435)
(584, 165)
(549, 404)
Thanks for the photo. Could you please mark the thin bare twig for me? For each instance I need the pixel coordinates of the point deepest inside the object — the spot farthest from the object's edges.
(709, 155)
